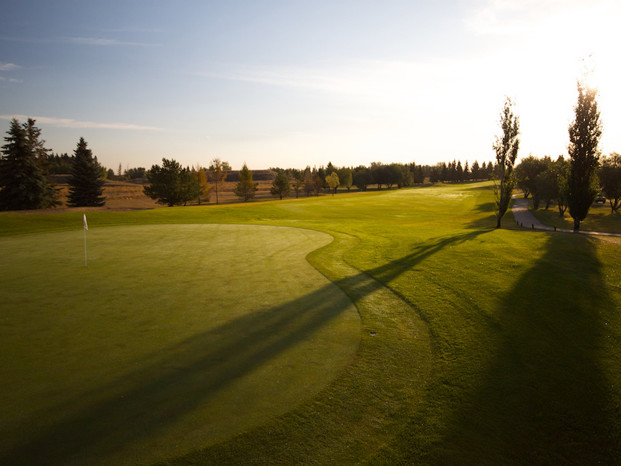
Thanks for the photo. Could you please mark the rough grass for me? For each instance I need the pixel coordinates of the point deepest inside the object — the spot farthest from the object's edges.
(478, 346)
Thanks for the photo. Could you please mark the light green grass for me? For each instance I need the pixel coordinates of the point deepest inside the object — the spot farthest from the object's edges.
(477, 346)
(211, 328)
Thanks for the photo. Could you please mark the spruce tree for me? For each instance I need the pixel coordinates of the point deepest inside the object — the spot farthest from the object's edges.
(280, 186)
(23, 182)
(584, 135)
(86, 182)
(171, 184)
(246, 187)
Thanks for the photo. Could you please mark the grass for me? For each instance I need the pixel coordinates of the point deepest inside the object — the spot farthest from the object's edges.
(214, 337)
(477, 346)
(599, 218)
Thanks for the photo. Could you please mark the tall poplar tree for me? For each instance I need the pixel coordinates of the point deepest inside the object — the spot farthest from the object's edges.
(584, 135)
(506, 147)
(86, 182)
(23, 181)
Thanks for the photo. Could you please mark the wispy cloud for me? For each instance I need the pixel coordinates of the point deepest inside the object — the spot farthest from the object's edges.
(312, 78)
(70, 123)
(8, 66)
(96, 41)
(105, 42)
(10, 80)
(509, 17)
(386, 83)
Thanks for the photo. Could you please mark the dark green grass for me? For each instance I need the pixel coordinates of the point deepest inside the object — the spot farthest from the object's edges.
(478, 346)
(599, 218)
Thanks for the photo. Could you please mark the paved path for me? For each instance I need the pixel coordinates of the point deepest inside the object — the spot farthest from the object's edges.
(526, 219)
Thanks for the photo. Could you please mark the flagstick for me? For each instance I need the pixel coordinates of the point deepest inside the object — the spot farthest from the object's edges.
(84, 246)
(85, 227)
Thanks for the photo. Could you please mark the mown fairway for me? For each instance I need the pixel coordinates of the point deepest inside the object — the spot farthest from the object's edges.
(475, 346)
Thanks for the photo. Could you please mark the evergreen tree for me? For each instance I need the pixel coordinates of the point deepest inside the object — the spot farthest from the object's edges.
(23, 182)
(60, 164)
(309, 183)
(86, 182)
(246, 187)
(584, 134)
(459, 172)
(280, 185)
(474, 171)
(506, 147)
(170, 184)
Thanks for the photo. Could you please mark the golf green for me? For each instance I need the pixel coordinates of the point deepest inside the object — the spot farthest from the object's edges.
(173, 336)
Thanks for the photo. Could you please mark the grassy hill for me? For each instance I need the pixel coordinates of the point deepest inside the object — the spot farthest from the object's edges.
(475, 345)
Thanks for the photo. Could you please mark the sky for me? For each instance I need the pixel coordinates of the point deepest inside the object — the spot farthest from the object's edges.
(294, 83)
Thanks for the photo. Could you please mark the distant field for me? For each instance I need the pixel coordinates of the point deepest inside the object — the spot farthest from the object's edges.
(125, 195)
(475, 345)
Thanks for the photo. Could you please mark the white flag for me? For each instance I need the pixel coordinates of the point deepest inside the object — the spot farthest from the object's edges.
(84, 221)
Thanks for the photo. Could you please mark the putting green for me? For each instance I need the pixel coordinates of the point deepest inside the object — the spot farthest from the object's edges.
(173, 337)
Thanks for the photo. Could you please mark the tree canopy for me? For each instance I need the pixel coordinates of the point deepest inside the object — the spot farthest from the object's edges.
(246, 187)
(86, 182)
(584, 134)
(333, 182)
(171, 184)
(217, 174)
(23, 181)
(280, 186)
(610, 180)
(506, 147)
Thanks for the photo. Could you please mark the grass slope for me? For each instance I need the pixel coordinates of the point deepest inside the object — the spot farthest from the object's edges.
(478, 346)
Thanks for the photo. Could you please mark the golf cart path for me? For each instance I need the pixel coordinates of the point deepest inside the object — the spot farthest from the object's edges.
(526, 219)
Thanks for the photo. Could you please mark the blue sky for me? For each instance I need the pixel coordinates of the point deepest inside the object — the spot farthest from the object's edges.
(296, 83)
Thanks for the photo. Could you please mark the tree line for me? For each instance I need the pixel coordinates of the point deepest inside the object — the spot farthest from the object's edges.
(25, 166)
(546, 181)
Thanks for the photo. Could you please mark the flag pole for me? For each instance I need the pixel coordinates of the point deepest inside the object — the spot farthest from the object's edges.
(85, 228)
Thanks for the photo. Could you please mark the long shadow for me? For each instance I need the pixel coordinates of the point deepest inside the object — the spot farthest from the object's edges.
(544, 398)
(181, 377)
(392, 270)
(178, 379)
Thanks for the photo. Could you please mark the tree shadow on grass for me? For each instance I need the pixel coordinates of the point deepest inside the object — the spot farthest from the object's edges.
(174, 383)
(390, 271)
(544, 398)
(179, 378)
